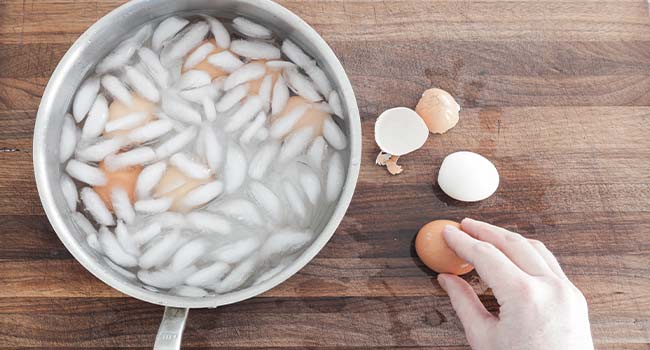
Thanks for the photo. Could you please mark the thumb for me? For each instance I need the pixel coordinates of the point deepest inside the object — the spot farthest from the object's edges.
(471, 312)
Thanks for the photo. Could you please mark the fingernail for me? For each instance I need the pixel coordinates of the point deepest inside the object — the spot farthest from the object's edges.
(442, 281)
(450, 230)
(468, 220)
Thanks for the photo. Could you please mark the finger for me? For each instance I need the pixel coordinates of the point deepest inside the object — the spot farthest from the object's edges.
(500, 274)
(548, 256)
(512, 244)
(471, 312)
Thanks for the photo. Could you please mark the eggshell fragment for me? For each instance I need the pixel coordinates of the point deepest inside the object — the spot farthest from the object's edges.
(468, 177)
(434, 252)
(439, 110)
(400, 131)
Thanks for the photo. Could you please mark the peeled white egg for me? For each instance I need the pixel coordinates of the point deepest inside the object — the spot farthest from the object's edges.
(399, 131)
(468, 177)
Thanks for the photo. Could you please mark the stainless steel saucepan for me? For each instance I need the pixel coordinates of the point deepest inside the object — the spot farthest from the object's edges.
(78, 62)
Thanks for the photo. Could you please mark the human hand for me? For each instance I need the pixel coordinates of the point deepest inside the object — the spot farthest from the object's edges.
(540, 309)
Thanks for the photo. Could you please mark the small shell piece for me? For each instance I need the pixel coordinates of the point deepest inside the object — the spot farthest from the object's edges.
(400, 131)
(439, 110)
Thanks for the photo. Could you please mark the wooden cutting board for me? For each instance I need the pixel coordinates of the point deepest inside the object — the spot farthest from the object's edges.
(554, 92)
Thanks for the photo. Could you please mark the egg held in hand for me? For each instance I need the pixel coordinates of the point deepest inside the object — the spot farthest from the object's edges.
(434, 252)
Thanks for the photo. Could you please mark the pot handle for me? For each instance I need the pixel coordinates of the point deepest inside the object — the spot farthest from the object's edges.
(170, 332)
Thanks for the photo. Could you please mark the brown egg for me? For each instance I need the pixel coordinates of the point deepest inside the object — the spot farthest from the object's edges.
(124, 178)
(314, 117)
(205, 65)
(118, 110)
(256, 84)
(175, 185)
(439, 110)
(434, 252)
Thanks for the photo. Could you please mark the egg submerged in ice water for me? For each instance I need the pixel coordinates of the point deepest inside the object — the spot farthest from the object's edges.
(204, 155)
(468, 177)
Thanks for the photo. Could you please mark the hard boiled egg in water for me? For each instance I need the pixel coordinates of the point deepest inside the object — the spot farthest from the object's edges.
(468, 177)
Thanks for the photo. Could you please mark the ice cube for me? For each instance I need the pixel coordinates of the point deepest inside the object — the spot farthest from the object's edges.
(136, 156)
(334, 135)
(188, 254)
(296, 144)
(151, 131)
(236, 252)
(208, 222)
(69, 190)
(202, 195)
(263, 159)
(246, 73)
(69, 137)
(85, 173)
(250, 28)
(335, 177)
(255, 50)
(97, 118)
(208, 275)
(85, 98)
(241, 210)
(166, 30)
(122, 205)
(148, 179)
(280, 96)
(117, 89)
(111, 247)
(238, 276)
(160, 251)
(219, 31)
(234, 172)
(100, 150)
(267, 200)
(165, 279)
(125, 239)
(141, 84)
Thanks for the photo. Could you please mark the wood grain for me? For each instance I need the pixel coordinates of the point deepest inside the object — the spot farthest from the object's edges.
(553, 91)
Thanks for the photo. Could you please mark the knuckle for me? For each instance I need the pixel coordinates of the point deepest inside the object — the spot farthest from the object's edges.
(566, 293)
(514, 237)
(537, 244)
(483, 247)
(527, 290)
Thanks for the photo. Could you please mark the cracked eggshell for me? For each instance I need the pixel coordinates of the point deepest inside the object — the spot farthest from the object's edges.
(468, 177)
(400, 131)
(439, 110)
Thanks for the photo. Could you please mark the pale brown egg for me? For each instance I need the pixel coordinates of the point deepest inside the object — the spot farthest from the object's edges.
(118, 110)
(205, 65)
(175, 185)
(439, 110)
(124, 178)
(434, 252)
(314, 117)
(254, 87)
